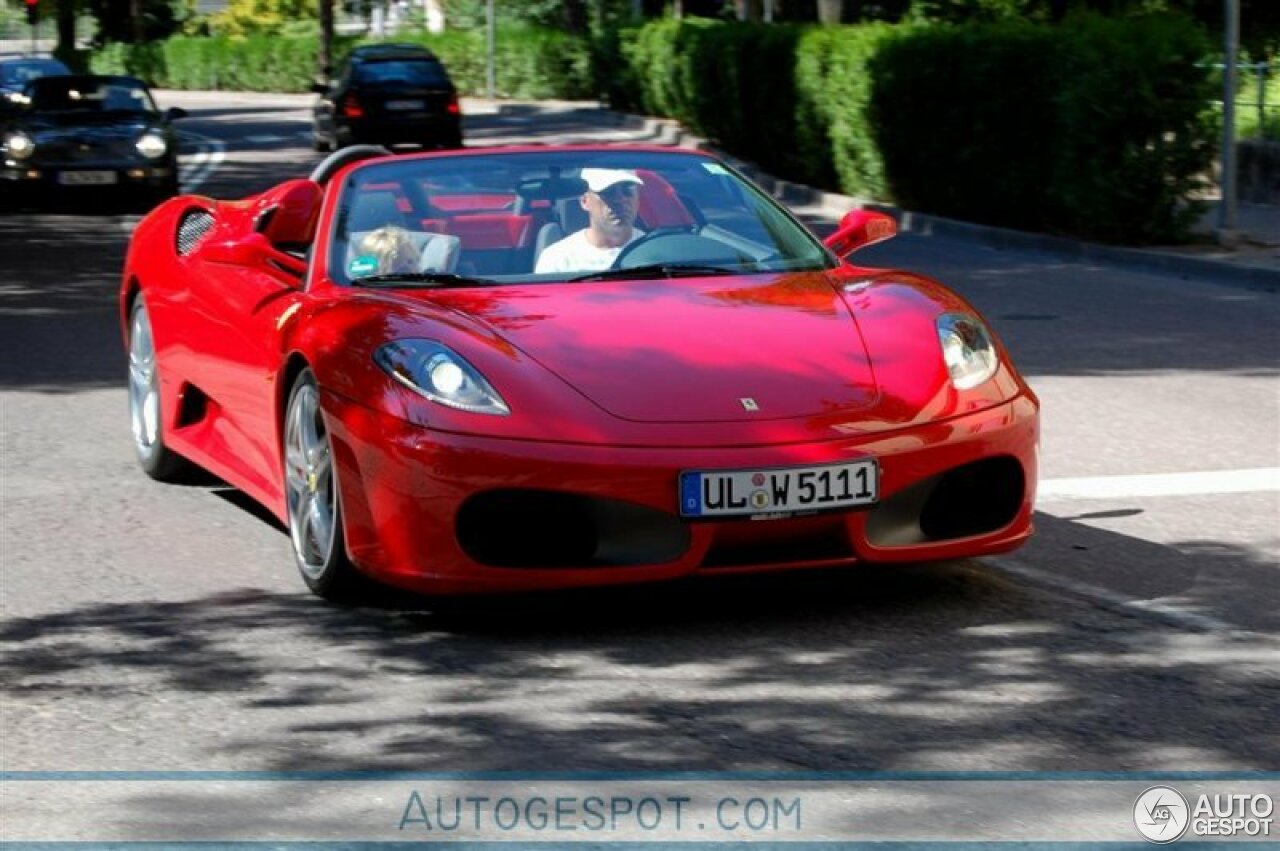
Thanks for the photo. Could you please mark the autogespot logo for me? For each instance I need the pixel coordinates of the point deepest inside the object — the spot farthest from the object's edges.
(1161, 814)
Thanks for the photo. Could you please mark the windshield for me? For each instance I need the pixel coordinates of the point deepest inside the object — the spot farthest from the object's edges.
(18, 73)
(87, 94)
(558, 216)
(407, 72)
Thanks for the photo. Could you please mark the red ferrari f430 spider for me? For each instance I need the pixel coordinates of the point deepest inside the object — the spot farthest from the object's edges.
(518, 368)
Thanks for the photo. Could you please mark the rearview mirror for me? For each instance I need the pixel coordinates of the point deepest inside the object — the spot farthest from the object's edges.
(858, 229)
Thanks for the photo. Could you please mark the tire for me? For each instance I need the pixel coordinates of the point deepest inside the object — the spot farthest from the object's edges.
(156, 459)
(311, 492)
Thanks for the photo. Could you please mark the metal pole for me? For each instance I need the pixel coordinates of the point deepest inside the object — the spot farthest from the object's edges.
(491, 38)
(1227, 205)
(768, 11)
(1262, 99)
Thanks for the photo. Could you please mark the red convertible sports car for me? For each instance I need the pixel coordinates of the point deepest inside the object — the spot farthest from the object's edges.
(503, 369)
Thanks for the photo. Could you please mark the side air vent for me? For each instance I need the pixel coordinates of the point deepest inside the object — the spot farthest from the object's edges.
(192, 227)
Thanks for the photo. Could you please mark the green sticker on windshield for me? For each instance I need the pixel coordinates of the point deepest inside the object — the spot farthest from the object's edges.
(365, 264)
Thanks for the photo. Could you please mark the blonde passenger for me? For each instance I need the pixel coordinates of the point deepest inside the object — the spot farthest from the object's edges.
(393, 248)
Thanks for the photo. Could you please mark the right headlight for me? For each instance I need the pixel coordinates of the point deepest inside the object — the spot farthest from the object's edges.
(19, 145)
(967, 349)
(152, 145)
(441, 374)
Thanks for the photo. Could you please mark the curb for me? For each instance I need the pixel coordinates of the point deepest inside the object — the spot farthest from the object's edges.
(669, 132)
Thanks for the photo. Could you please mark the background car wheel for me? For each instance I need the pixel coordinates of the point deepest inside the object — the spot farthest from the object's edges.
(315, 512)
(157, 460)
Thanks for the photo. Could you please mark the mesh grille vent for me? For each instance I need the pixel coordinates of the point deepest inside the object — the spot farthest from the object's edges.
(192, 228)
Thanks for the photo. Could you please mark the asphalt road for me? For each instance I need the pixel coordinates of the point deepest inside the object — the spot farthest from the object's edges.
(152, 627)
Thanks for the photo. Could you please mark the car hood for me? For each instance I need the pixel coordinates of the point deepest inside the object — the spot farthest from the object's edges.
(60, 127)
(689, 350)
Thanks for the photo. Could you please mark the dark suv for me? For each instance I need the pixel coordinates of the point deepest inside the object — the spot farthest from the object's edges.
(388, 94)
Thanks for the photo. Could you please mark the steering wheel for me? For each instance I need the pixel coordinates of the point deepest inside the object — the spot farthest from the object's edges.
(677, 245)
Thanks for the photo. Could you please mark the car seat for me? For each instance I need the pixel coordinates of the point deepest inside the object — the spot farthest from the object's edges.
(569, 218)
(438, 252)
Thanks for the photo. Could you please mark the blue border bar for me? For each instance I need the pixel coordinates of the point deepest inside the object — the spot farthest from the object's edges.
(670, 776)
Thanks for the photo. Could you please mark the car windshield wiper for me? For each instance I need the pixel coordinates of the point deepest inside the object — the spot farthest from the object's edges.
(657, 270)
(420, 279)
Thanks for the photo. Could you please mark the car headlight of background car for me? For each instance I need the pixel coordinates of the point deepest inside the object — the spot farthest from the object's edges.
(441, 374)
(152, 146)
(967, 349)
(19, 145)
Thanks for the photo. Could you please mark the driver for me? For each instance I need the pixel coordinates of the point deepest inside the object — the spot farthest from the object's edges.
(611, 201)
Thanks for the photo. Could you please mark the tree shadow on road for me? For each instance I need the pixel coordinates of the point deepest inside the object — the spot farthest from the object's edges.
(950, 665)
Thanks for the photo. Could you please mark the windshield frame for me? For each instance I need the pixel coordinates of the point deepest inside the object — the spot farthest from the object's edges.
(92, 105)
(783, 229)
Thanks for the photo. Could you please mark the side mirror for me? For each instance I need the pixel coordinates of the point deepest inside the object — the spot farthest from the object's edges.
(858, 229)
(320, 88)
(173, 113)
(250, 250)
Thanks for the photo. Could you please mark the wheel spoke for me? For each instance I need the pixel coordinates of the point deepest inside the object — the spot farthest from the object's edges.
(321, 525)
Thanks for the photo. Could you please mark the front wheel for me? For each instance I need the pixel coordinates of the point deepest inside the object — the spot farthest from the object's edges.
(315, 511)
(157, 460)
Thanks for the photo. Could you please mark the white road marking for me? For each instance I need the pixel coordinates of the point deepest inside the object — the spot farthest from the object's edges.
(200, 166)
(1154, 609)
(1162, 484)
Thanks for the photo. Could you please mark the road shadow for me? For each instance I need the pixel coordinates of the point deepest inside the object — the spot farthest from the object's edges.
(947, 665)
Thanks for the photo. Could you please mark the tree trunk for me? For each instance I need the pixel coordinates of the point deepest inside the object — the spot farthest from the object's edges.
(137, 24)
(66, 27)
(324, 56)
(830, 11)
(435, 15)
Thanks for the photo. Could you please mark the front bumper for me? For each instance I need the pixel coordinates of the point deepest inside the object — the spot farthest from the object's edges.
(410, 497)
(68, 176)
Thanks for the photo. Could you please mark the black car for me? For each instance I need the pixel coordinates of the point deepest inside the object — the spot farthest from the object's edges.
(16, 73)
(388, 94)
(90, 133)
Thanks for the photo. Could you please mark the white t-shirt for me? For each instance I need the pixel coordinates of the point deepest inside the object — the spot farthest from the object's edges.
(575, 254)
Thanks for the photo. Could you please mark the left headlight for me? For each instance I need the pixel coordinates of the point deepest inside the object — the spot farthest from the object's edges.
(441, 374)
(152, 146)
(967, 349)
(19, 145)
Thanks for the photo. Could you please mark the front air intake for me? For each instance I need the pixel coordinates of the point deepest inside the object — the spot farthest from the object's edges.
(192, 227)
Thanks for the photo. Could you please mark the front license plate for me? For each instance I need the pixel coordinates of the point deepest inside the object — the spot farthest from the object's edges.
(782, 490)
(403, 105)
(87, 178)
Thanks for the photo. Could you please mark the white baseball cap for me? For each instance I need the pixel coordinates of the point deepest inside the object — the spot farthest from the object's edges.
(600, 179)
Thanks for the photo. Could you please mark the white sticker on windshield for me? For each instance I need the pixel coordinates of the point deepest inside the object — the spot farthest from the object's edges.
(715, 168)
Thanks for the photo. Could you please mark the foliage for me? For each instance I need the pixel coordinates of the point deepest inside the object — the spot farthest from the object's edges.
(242, 17)
(531, 63)
(161, 18)
(1097, 128)
(256, 63)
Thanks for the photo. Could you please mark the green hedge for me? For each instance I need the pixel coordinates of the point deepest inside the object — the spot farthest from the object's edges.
(256, 63)
(1098, 127)
(531, 63)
